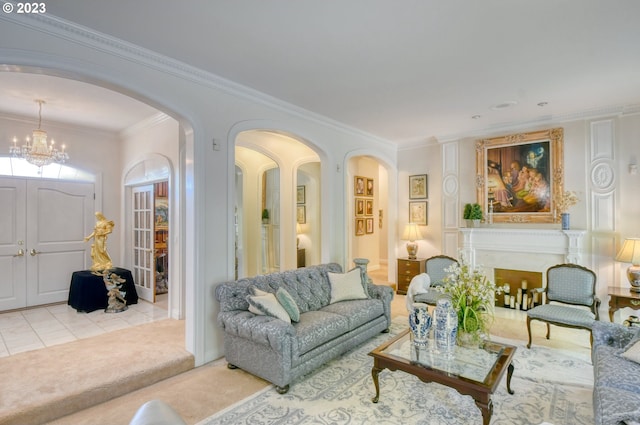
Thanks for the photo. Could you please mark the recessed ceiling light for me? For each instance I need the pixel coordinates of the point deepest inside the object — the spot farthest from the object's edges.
(504, 105)
(543, 104)
(476, 117)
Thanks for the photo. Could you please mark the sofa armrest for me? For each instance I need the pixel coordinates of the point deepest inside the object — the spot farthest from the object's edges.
(612, 334)
(264, 330)
(381, 292)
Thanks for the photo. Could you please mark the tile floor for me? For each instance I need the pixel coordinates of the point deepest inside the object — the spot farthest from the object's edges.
(40, 327)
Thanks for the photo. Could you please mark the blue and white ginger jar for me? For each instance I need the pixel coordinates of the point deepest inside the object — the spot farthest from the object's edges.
(420, 324)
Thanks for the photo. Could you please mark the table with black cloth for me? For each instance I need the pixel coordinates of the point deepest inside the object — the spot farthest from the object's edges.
(88, 291)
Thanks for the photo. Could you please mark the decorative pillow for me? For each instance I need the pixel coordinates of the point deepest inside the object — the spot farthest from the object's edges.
(346, 286)
(268, 304)
(289, 304)
(253, 290)
(632, 350)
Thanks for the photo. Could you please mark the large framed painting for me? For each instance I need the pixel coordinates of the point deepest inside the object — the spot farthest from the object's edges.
(519, 177)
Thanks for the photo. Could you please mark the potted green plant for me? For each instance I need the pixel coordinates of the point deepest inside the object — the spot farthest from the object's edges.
(472, 214)
(265, 216)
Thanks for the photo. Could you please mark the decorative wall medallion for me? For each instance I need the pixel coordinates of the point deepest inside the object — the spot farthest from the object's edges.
(450, 185)
(602, 175)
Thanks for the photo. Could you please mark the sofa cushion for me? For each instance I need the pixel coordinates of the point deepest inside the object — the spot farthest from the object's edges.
(346, 286)
(357, 312)
(288, 303)
(268, 304)
(317, 327)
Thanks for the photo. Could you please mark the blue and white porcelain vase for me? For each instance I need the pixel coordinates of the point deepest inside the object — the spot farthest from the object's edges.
(420, 324)
(446, 326)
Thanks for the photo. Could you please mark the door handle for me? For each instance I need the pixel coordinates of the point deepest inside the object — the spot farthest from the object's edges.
(20, 253)
(33, 252)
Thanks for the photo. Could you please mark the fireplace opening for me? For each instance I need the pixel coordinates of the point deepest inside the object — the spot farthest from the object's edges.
(520, 294)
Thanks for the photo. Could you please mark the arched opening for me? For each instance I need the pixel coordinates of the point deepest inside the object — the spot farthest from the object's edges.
(280, 174)
(369, 213)
(105, 152)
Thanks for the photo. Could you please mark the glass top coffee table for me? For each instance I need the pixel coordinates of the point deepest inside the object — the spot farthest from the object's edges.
(471, 371)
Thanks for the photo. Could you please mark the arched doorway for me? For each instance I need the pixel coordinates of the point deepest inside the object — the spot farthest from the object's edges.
(292, 216)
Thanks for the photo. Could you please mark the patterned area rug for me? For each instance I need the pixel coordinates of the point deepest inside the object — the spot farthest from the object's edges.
(550, 386)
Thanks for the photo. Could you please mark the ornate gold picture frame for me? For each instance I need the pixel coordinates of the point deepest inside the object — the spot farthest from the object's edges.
(519, 177)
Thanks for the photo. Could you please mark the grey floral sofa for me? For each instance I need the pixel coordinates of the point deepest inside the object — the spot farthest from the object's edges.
(280, 352)
(616, 387)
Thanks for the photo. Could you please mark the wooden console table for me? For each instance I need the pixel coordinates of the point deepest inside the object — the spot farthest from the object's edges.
(621, 298)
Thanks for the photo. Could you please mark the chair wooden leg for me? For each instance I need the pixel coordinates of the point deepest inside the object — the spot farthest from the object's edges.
(529, 331)
(548, 331)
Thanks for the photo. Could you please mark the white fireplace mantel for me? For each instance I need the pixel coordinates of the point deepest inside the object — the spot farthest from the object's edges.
(530, 249)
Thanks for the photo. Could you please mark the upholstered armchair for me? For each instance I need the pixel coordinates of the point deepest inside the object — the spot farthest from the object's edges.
(435, 267)
(570, 301)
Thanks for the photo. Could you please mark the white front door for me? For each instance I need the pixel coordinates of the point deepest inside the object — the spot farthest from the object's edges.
(143, 242)
(48, 220)
(59, 215)
(13, 257)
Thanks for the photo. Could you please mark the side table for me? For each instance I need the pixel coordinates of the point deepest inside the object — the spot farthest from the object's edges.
(407, 270)
(88, 291)
(621, 298)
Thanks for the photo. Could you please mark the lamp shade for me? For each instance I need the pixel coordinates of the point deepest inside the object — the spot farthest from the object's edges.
(298, 228)
(630, 251)
(411, 232)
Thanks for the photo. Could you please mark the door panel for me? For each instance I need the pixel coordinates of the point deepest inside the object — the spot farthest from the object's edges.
(143, 242)
(59, 215)
(12, 237)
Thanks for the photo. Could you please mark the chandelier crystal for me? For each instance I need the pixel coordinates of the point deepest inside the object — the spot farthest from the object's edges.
(36, 150)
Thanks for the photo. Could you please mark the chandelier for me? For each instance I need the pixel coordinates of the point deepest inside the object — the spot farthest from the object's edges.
(36, 150)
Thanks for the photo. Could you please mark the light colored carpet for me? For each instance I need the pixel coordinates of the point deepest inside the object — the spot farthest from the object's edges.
(42, 385)
(341, 392)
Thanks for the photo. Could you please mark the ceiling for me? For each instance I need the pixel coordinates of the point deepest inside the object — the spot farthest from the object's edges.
(405, 70)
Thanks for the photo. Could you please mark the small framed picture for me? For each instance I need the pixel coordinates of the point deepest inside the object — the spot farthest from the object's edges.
(301, 214)
(359, 207)
(368, 207)
(418, 212)
(360, 226)
(359, 183)
(369, 225)
(300, 195)
(418, 186)
(369, 188)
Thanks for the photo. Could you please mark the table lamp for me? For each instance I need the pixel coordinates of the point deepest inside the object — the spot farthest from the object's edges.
(298, 232)
(630, 253)
(412, 234)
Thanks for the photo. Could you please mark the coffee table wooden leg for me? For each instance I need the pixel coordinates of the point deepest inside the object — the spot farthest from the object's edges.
(487, 411)
(374, 373)
(510, 369)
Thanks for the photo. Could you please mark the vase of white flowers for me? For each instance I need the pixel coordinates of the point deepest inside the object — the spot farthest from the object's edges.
(473, 297)
(566, 201)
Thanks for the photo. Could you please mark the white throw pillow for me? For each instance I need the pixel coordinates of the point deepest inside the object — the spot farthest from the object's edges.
(632, 351)
(346, 286)
(268, 304)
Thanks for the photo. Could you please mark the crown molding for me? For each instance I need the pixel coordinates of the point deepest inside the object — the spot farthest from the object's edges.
(63, 29)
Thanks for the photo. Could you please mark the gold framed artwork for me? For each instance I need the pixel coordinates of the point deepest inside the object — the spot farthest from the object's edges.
(519, 177)
(418, 212)
(418, 186)
(300, 195)
(359, 207)
(359, 184)
(368, 207)
(360, 229)
(369, 225)
(369, 188)
(301, 214)
(162, 212)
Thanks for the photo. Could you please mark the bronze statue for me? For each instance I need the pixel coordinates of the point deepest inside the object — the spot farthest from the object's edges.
(99, 254)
